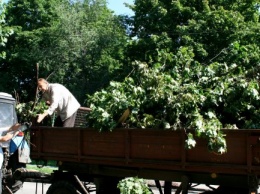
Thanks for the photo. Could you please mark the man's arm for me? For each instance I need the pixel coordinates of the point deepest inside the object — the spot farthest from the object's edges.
(42, 116)
(13, 131)
(55, 98)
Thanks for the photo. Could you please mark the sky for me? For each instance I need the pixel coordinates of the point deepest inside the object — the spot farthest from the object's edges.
(115, 5)
(118, 6)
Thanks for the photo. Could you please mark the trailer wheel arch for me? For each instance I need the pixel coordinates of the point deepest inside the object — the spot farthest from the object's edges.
(61, 187)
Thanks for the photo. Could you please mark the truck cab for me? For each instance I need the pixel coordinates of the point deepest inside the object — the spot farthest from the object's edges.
(8, 118)
(8, 115)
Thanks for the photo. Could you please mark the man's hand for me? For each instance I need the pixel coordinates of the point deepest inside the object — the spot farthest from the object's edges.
(15, 127)
(8, 136)
(41, 117)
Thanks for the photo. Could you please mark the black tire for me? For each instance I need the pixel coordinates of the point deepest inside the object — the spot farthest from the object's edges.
(231, 190)
(61, 187)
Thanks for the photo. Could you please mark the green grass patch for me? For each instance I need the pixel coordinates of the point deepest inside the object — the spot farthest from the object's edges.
(52, 163)
(44, 169)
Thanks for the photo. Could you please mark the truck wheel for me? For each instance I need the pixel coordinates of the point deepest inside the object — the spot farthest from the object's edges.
(232, 190)
(61, 187)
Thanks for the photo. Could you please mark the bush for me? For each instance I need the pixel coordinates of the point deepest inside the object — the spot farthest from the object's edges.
(133, 185)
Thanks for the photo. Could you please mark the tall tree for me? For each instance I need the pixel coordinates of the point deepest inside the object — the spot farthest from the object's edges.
(28, 19)
(89, 42)
(199, 69)
(5, 31)
(208, 27)
(78, 44)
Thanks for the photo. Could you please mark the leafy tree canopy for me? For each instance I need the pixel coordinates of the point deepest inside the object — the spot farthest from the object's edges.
(78, 44)
(5, 31)
(199, 69)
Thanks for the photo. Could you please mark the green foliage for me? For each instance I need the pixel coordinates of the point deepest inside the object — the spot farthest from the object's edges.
(156, 100)
(207, 27)
(27, 19)
(90, 42)
(4, 31)
(26, 112)
(79, 44)
(133, 185)
(199, 69)
(187, 95)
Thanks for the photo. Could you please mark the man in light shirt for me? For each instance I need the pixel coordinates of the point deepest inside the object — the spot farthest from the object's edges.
(61, 100)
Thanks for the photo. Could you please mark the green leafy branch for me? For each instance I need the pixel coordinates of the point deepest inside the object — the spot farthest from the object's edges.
(26, 112)
(186, 95)
(133, 185)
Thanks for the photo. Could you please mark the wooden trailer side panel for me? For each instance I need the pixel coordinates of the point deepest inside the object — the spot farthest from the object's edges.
(147, 148)
(54, 143)
(99, 144)
(236, 151)
(148, 145)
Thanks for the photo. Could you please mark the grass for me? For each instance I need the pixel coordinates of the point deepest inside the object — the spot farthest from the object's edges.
(48, 167)
(45, 169)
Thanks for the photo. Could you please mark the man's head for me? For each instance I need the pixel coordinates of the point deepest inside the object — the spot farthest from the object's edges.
(42, 84)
